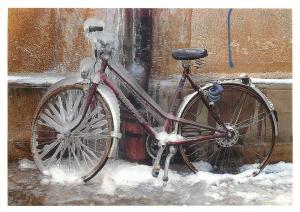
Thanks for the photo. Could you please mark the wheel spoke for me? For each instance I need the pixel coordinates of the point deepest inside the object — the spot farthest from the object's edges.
(249, 121)
(50, 123)
(56, 113)
(255, 121)
(238, 109)
(47, 111)
(75, 107)
(62, 152)
(48, 148)
(53, 157)
(61, 109)
(87, 148)
(72, 147)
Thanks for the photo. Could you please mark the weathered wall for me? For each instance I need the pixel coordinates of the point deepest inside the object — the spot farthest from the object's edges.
(43, 40)
(51, 39)
(21, 106)
(261, 39)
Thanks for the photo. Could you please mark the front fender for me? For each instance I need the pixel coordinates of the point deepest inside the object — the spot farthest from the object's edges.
(107, 95)
(113, 104)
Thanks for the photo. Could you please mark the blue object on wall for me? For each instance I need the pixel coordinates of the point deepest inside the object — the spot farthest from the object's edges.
(230, 62)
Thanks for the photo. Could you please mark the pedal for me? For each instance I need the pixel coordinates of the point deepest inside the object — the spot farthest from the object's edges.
(165, 179)
(155, 171)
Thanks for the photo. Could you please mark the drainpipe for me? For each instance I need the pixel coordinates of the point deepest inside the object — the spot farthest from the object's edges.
(138, 42)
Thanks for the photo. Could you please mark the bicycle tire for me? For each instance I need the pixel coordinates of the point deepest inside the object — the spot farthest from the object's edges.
(208, 153)
(53, 146)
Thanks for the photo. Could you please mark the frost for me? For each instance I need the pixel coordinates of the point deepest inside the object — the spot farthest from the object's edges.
(93, 36)
(284, 199)
(62, 176)
(115, 110)
(204, 166)
(271, 81)
(87, 65)
(27, 164)
(249, 196)
(100, 39)
(120, 178)
(165, 137)
(138, 72)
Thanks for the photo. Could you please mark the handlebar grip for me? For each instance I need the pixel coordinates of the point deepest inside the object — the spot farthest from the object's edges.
(95, 28)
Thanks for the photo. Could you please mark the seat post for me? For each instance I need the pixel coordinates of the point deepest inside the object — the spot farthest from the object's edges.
(177, 96)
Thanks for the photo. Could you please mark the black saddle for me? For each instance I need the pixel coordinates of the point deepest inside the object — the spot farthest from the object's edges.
(189, 54)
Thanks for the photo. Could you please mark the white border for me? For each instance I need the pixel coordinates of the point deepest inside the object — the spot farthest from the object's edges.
(3, 105)
(5, 4)
(153, 3)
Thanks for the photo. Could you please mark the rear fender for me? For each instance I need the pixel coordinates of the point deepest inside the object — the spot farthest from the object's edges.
(251, 86)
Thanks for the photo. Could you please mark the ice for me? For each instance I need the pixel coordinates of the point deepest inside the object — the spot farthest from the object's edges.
(164, 136)
(115, 110)
(204, 166)
(100, 39)
(87, 65)
(93, 36)
(120, 179)
(138, 72)
(61, 176)
(35, 79)
(248, 196)
(27, 164)
(284, 199)
(271, 81)
(125, 76)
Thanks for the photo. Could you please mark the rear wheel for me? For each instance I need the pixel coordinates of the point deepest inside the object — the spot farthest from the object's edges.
(250, 121)
(81, 152)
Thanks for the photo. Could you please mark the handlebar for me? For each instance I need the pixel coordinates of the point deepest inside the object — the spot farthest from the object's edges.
(95, 29)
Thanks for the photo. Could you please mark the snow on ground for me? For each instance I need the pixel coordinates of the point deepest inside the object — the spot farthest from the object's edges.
(26, 164)
(120, 178)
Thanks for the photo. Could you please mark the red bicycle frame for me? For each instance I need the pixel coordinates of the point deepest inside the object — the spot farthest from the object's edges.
(169, 118)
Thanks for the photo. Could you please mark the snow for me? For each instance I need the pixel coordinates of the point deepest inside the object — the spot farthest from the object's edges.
(272, 186)
(115, 110)
(138, 72)
(248, 196)
(35, 79)
(164, 137)
(271, 81)
(100, 39)
(93, 36)
(27, 164)
(87, 65)
(59, 176)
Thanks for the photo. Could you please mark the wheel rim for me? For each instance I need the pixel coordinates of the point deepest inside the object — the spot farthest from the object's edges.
(248, 116)
(80, 151)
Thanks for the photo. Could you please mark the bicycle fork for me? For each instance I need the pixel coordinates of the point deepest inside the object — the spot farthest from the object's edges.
(156, 165)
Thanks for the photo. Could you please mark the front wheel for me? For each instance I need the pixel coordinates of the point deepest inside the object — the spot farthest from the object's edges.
(250, 121)
(81, 152)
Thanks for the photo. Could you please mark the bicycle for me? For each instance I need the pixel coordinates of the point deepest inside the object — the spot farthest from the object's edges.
(221, 127)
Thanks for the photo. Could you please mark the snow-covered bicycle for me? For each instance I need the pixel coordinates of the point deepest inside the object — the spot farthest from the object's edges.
(221, 126)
